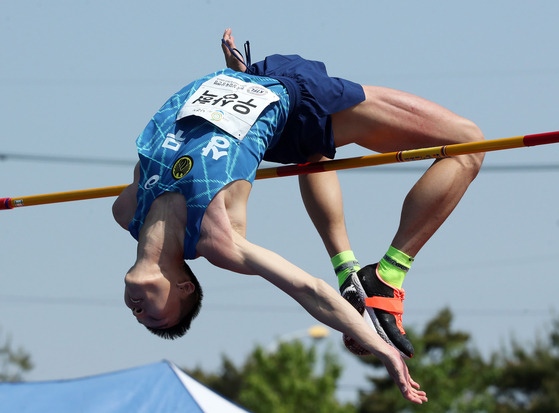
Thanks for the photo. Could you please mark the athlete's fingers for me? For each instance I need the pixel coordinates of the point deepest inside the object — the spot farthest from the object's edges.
(408, 375)
(410, 380)
(414, 383)
(398, 370)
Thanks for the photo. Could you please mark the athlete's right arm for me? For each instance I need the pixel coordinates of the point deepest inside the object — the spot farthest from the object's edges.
(125, 205)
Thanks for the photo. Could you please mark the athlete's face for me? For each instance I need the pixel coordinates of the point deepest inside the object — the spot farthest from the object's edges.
(155, 302)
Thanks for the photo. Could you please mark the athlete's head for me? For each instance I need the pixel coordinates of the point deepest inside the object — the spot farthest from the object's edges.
(164, 302)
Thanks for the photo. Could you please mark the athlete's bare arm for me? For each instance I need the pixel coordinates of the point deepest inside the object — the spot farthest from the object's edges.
(225, 247)
(124, 206)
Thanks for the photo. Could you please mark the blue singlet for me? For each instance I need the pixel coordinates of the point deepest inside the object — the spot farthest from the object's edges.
(197, 159)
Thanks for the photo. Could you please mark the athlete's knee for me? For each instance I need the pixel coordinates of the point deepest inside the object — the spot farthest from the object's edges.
(472, 133)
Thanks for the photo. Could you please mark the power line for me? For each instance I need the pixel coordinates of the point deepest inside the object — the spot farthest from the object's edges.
(66, 159)
(108, 302)
(548, 167)
(257, 308)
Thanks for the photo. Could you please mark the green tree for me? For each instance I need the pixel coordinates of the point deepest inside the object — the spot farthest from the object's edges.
(228, 382)
(529, 377)
(13, 362)
(283, 381)
(454, 375)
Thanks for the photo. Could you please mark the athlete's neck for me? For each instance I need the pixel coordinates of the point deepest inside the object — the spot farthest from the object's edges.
(161, 239)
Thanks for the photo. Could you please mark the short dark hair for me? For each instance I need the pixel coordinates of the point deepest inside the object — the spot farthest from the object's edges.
(180, 329)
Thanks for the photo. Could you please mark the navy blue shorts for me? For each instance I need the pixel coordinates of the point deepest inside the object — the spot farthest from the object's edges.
(313, 97)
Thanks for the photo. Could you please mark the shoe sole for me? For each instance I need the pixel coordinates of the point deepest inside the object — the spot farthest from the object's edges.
(358, 300)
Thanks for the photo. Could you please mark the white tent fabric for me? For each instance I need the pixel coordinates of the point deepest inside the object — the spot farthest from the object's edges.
(157, 387)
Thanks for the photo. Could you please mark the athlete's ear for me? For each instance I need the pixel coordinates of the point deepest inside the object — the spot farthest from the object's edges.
(186, 287)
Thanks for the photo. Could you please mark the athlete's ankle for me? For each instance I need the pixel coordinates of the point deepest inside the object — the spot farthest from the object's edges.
(393, 267)
(344, 264)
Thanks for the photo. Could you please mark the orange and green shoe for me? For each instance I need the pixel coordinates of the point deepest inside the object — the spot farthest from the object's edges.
(381, 305)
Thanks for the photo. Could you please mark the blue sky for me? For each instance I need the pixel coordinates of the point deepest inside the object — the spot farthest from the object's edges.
(82, 79)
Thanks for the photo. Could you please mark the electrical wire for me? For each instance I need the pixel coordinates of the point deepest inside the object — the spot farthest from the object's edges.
(256, 308)
(65, 159)
(551, 167)
(103, 302)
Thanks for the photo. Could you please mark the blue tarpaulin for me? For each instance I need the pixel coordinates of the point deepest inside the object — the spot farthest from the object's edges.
(158, 387)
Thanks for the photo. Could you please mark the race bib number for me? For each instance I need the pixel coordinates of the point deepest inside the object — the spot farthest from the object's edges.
(229, 103)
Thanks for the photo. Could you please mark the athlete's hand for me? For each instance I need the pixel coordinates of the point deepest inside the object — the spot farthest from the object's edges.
(398, 370)
(231, 61)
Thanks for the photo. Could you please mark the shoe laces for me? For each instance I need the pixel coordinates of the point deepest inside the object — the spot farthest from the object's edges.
(400, 294)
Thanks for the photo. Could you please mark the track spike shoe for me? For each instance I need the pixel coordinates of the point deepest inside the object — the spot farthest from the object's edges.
(384, 305)
(354, 293)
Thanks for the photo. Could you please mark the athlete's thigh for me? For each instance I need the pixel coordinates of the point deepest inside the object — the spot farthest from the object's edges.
(390, 120)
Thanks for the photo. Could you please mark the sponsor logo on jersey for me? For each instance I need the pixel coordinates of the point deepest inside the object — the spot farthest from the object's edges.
(182, 166)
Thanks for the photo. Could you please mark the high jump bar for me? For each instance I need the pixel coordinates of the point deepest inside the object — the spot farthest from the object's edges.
(437, 152)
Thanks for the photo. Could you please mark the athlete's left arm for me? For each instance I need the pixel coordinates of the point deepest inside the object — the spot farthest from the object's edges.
(225, 248)
(125, 205)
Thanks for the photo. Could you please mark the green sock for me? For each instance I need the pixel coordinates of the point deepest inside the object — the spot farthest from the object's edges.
(394, 266)
(344, 264)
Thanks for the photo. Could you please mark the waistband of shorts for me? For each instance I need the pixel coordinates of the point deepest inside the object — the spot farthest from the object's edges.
(292, 90)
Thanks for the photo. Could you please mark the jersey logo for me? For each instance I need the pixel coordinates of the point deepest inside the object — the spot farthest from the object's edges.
(214, 145)
(182, 166)
(150, 183)
(173, 141)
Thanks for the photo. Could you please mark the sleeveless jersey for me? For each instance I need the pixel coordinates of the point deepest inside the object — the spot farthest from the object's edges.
(193, 156)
